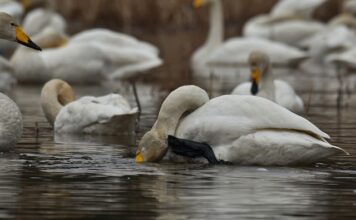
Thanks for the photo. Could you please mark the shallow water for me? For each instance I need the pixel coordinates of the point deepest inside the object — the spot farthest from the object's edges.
(86, 177)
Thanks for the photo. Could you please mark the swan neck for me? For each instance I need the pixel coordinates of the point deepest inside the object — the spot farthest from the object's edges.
(267, 84)
(177, 104)
(216, 31)
(54, 96)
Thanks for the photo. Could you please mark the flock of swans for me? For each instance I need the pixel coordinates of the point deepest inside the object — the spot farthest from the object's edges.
(258, 124)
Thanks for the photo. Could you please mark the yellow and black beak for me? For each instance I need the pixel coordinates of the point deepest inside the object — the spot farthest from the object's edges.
(139, 158)
(198, 3)
(255, 78)
(23, 39)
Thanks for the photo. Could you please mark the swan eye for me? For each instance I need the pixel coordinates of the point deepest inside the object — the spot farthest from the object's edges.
(13, 24)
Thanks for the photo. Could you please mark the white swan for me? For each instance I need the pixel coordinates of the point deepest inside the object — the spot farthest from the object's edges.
(264, 85)
(88, 62)
(216, 53)
(10, 116)
(108, 115)
(7, 79)
(39, 19)
(302, 8)
(243, 130)
(287, 29)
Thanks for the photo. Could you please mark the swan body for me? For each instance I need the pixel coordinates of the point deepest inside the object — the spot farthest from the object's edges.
(302, 8)
(235, 51)
(10, 123)
(107, 115)
(284, 95)
(243, 130)
(88, 62)
(215, 52)
(290, 32)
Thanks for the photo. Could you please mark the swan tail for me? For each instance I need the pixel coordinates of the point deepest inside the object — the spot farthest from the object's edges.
(192, 149)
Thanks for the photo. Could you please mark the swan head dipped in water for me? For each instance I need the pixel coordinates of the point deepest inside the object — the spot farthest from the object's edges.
(202, 3)
(153, 146)
(55, 94)
(11, 31)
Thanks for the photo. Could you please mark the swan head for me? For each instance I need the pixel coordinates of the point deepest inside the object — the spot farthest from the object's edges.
(55, 94)
(259, 64)
(10, 30)
(152, 148)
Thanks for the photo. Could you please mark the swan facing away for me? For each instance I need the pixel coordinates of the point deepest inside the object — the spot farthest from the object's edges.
(264, 85)
(107, 115)
(244, 130)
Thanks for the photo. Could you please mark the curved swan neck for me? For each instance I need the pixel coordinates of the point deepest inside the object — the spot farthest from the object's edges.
(216, 31)
(267, 83)
(55, 94)
(183, 100)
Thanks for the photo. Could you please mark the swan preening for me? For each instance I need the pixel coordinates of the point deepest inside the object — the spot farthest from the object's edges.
(243, 130)
(107, 115)
(264, 85)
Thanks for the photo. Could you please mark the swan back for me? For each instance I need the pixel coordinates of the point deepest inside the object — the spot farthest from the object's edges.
(303, 8)
(10, 123)
(55, 94)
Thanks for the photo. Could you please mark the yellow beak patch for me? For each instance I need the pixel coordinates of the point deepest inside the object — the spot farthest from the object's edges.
(198, 3)
(139, 158)
(256, 75)
(21, 36)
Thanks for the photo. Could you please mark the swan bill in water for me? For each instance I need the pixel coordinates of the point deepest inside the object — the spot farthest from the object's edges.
(23, 39)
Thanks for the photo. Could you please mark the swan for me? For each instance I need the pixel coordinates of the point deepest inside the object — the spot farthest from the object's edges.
(288, 29)
(264, 85)
(7, 79)
(107, 115)
(245, 130)
(88, 62)
(234, 51)
(10, 115)
(302, 8)
(39, 19)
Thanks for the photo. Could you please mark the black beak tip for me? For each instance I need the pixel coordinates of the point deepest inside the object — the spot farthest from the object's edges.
(31, 44)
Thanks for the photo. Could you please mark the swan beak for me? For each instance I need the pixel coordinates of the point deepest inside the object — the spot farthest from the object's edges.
(23, 39)
(255, 78)
(139, 158)
(198, 3)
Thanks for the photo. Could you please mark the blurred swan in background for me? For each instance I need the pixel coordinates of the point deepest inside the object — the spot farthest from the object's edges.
(13, 8)
(10, 116)
(235, 50)
(243, 130)
(7, 78)
(83, 62)
(301, 8)
(41, 18)
(107, 115)
(264, 85)
(289, 29)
